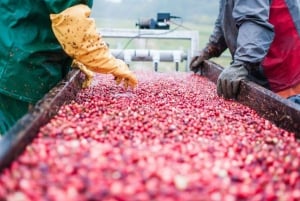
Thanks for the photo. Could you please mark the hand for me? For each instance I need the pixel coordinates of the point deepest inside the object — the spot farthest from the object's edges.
(197, 62)
(229, 80)
(89, 75)
(123, 74)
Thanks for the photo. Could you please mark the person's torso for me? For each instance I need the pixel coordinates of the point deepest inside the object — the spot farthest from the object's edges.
(281, 64)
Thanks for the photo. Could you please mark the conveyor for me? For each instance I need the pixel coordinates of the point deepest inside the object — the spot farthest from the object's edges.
(283, 113)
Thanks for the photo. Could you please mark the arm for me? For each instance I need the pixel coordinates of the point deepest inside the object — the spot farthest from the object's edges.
(255, 33)
(76, 32)
(215, 46)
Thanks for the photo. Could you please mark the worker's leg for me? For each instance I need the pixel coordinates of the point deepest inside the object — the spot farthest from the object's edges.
(11, 110)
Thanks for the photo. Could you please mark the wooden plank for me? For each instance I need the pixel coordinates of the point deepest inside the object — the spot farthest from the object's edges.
(26, 129)
(283, 113)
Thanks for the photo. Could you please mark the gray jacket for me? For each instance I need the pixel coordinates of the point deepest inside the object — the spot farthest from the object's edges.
(250, 20)
(263, 35)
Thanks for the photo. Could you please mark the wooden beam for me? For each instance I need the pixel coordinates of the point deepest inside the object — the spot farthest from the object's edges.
(283, 113)
(26, 129)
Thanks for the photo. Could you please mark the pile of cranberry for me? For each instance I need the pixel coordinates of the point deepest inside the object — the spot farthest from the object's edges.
(171, 138)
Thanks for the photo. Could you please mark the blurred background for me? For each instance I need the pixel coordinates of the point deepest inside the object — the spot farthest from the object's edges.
(194, 15)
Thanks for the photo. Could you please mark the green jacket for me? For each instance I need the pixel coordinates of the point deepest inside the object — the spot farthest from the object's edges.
(31, 59)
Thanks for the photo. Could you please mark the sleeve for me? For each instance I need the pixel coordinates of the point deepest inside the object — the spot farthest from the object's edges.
(217, 44)
(255, 33)
(76, 32)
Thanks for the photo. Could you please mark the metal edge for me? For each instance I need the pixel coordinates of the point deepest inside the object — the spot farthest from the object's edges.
(26, 129)
(283, 113)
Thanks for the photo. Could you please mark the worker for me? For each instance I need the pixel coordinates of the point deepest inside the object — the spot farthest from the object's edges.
(263, 38)
(38, 43)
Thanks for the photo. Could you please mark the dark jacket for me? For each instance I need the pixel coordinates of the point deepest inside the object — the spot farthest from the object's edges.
(31, 59)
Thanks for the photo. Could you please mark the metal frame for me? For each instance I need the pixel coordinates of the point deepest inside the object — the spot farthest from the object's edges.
(153, 55)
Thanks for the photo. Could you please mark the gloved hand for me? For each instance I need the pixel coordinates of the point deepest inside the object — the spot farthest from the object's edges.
(123, 74)
(89, 75)
(197, 62)
(228, 82)
(77, 34)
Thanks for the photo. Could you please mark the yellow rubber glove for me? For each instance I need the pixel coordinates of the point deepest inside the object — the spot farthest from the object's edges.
(77, 34)
(89, 75)
(121, 75)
